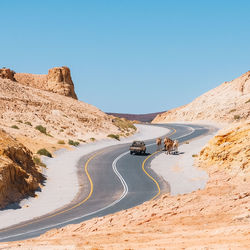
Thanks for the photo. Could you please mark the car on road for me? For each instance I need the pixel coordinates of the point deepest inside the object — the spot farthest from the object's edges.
(138, 147)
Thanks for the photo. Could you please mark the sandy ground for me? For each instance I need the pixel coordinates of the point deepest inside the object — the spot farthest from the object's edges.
(178, 170)
(62, 182)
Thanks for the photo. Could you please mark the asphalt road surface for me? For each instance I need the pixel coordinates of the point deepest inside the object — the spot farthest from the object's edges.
(111, 180)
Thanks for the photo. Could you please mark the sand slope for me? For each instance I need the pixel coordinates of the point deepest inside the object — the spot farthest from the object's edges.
(229, 102)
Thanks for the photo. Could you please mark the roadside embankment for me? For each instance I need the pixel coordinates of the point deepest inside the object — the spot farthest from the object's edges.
(179, 170)
(61, 184)
(19, 175)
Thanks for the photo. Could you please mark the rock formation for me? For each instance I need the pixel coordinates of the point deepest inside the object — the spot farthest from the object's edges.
(230, 149)
(58, 81)
(19, 176)
(32, 80)
(228, 102)
(7, 74)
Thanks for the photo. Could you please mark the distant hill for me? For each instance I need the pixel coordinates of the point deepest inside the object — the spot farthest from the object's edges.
(137, 117)
(229, 102)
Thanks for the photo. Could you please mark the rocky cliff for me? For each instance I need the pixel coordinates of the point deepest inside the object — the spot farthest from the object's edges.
(19, 176)
(229, 149)
(58, 81)
(228, 102)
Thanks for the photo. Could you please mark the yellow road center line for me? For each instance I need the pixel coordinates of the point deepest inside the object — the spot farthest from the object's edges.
(90, 193)
(143, 168)
(66, 210)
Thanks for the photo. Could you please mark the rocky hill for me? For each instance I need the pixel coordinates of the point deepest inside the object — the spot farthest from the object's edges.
(40, 118)
(19, 176)
(227, 103)
(58, 81)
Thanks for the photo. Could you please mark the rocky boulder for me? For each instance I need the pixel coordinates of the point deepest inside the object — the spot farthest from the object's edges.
(7, 74)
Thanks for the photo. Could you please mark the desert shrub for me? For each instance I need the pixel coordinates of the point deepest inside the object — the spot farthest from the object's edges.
(232, 110)
(117, 137)
(61, 142)
(15, 127)
(247, 101)
(73, 143)
(236, 117)
(20, 121)
(195, 155)
(28, 123)
(44, 151)
(41, 129)
(92, 139)
(38, 162)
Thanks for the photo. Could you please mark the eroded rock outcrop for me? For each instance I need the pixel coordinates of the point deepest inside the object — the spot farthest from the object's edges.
(7, 74)
(19, 176)
(32, 80)
(58, 81)
(230, 149)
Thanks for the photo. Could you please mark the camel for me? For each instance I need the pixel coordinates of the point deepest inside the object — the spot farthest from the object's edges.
(168, 145)
(158, 143)
(175, 145)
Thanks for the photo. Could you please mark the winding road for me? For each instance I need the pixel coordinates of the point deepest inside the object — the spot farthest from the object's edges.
(111, 180)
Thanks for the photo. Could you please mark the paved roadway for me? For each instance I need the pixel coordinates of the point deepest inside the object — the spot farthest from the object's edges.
(111, 180)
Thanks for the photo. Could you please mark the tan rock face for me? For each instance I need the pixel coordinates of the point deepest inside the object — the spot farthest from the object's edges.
(7, 74)
(32, 80)
(230, 148)
(19, 176)
(58, 81)
(229, 102)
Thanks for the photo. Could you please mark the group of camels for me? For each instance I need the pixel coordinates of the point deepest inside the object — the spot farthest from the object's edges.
(169, 145)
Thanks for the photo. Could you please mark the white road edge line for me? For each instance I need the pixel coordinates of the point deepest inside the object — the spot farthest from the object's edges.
(125, 192)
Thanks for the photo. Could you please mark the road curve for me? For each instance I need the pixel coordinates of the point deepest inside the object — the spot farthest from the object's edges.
(111, 180)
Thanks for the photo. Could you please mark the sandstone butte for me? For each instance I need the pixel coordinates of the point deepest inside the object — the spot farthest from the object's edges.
(217, 217)
(38, 118)
(229, 102)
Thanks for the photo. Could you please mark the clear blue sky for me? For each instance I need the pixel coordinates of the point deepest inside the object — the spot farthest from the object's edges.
(133, 56)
